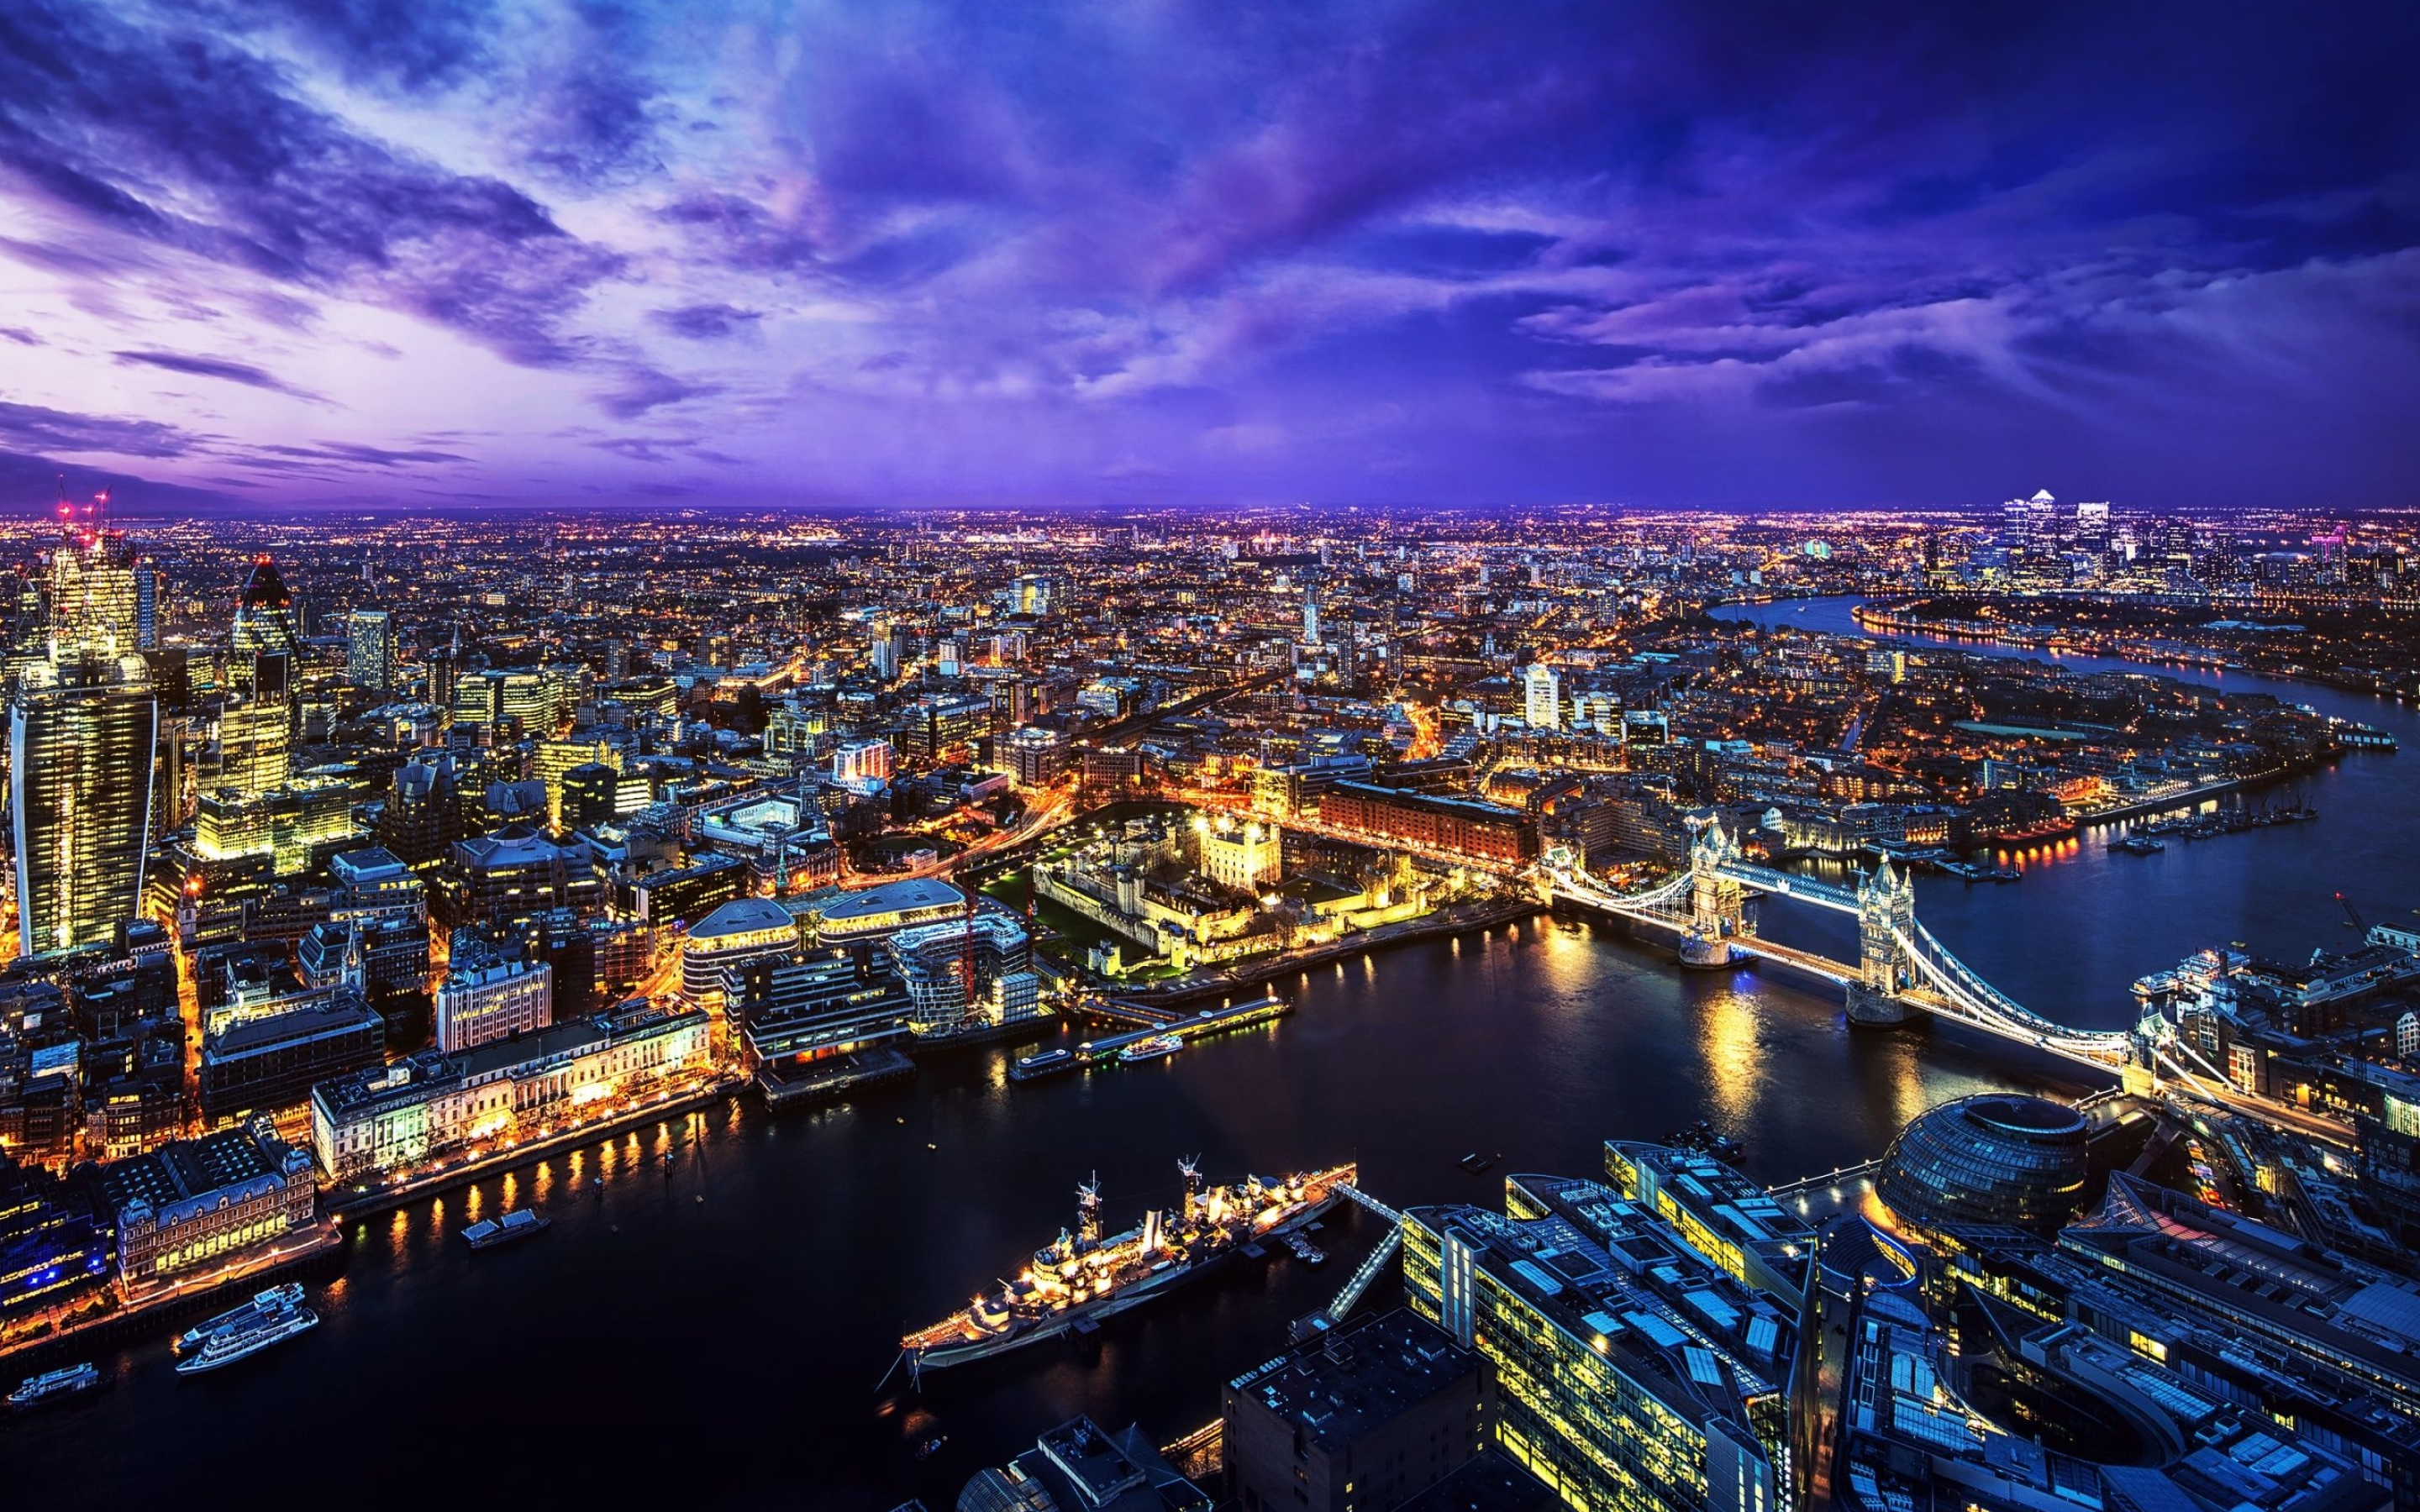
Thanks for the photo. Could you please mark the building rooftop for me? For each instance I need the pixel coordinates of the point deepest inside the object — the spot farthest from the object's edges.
(371, 864)
(894, 898)
(337, 1015)
(1474, 808)
(1614, 1275)
(1491, 1483)
(513, 845)
(1733, 1209)
(187, 1167)
(2239, 1267)
(1342, 1386)
(741, 915)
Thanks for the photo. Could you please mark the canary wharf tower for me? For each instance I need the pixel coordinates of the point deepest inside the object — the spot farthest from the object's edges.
(81, 735)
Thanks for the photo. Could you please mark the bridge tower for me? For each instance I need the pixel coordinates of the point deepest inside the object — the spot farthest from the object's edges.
(1886, 916)
(1717, 903)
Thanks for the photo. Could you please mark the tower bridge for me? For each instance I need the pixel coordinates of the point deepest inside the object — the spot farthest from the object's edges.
(1901, 970)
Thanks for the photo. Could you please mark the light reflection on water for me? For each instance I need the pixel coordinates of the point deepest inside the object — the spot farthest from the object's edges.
(1731, 1040)
(826, 1231)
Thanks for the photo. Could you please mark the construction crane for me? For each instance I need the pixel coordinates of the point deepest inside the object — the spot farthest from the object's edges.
(2353, 914)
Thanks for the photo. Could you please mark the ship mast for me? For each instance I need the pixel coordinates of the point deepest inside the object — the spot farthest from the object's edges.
(1191, 1166)
(1087, 1211)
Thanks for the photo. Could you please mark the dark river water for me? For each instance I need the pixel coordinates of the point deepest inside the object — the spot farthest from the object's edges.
(727, 1351)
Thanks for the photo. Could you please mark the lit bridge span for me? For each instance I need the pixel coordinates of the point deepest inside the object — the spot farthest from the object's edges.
(1903, 969)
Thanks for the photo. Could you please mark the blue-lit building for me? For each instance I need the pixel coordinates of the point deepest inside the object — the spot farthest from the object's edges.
(53, 1241)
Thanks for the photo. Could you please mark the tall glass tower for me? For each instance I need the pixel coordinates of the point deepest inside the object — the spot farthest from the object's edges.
(92, 597)
(256, 727)
(80, 738)
(264, 615)
(369, 649)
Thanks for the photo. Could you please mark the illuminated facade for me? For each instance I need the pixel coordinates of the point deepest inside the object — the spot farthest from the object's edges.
(1242, 857)
(493, 999)
(1541, 697)
(50, 1243)
(552, 759)
(195, 1201)
(870, 915)
(1036, 758)
(389, 1119)
(540, 699)
(971, 974)
(1462, 826)
(369, 649)
(740, 930)
(298, 823)
(1634, 1376)
(264, 615)
(862, 764)
(257, 734)
(91, 592)
(80, 738)
(1996, 1158)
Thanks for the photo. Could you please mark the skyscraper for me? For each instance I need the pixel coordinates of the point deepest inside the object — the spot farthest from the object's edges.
(1543, 697)
(2029, 524)
(147, 604)
(81, 736)
(91, 592)
(256, 729)
(256, 732)
(264, 614)
(369, 649)
(443, 672)
(2092, 525)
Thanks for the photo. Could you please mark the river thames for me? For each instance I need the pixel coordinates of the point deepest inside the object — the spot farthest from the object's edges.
(715, 1328)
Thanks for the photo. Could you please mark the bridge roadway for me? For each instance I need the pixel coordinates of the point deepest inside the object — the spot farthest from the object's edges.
(1948, 987)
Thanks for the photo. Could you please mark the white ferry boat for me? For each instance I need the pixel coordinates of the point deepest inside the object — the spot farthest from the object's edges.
(276, 1300)
(241, 1340)
(53, 1386)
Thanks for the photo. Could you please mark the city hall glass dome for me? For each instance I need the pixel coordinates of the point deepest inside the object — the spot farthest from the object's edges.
(1998, 1158)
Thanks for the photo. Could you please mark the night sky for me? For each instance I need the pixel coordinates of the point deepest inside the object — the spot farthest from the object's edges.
(1139, 252)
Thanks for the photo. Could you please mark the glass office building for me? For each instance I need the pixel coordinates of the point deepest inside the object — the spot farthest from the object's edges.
(1999, 1158)
(81, 736)
(1635, 1375)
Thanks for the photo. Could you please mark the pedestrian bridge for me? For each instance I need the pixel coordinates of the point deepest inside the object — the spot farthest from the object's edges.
(1902, 970)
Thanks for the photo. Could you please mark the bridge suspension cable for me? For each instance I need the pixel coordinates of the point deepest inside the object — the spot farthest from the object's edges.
(1983, 1003)
(1961, 991)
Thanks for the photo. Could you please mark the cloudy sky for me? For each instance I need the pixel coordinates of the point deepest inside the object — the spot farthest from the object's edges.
(302, 251)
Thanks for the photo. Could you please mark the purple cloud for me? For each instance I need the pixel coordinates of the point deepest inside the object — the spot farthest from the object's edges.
(215, 367)
(705, 322)
(172, 137)
(42, 429)
(640, 388)
(945, 249)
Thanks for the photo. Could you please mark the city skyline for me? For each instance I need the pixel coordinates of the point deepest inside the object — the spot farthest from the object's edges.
(1831, 901)
(465, 256)
(1638, 758)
